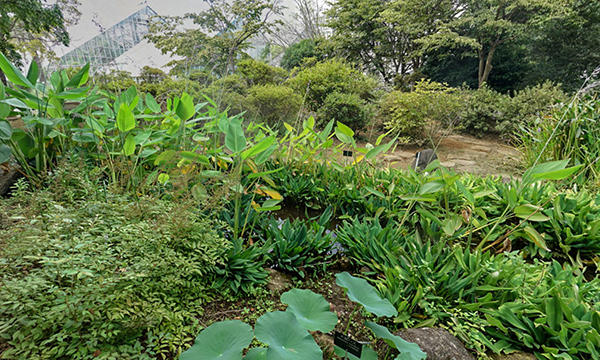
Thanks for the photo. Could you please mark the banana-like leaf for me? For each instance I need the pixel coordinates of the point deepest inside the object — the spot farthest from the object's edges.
(408, 351)
(360, 291)
(235, 139)
(13, 74)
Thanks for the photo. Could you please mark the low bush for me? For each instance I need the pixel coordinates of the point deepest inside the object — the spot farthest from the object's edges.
(330, 76)
(348, 109)
(258, 73)
(412, 114)
(273, 103)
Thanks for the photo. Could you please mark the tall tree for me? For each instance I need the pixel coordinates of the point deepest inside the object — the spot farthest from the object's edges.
(362, 35)
(484, 25)
(22, 21)
(223, 31)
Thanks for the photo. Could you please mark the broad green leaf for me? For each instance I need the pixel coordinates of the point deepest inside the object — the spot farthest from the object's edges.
(223, 340)
(13, 74)
(125, 118)
(4, 108)
(129, 145)
(327, 130)
(185, 108)
(152, 104)
(80, 78)
(286, 338)
(432, 187)
(14, 102)
(408, 351)
(264, 156)
(258, 148)
(256, 354)
(73, 94)
(367, 353)
(5, 130)
(190, 155)
(259, 174)
(554, 314)
(141, 138)
(234, 139)
(33, 73)
(535, 237)
(378, 150)
(311, 310)
(531, 213)
(4, 153)
(360, 291)
(375, 192)
(468, 195)
(344, 133)
(557, 174)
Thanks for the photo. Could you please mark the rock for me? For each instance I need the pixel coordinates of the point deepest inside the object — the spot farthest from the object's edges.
(447, 164)
(438, 343)
(514, 356)
(461, 162)
(278, 281)
(7, 179)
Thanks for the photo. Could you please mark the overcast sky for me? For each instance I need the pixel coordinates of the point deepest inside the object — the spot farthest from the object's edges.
(106, 13)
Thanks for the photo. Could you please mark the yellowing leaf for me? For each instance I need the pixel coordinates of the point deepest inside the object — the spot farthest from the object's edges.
(358, 159)
(267, 191)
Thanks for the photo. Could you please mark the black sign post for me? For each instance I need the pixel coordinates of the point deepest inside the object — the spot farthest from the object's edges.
(345, 342)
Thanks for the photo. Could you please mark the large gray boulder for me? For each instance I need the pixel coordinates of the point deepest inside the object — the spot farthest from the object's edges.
(515, 356)
(438, 343)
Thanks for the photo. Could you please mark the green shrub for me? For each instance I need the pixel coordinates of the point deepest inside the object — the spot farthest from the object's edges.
(485, 110)
(489, 111)
(273, 103)
(258, 73)
(410, 114)
(330, 76)
(296, 53)
(349, 109)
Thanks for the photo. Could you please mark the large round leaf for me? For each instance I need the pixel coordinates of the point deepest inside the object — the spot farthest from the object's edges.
(256, 354)
(4, 153)
(287, 339)
(408, 350)
(223, 340)
(362, 292)
(311, 310)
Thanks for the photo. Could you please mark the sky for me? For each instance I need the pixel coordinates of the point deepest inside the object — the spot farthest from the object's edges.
(97, 15)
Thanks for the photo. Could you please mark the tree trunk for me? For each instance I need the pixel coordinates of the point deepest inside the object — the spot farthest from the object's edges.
(485, 63)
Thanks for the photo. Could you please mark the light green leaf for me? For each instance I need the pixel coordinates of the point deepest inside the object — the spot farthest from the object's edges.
(531, 213)
(362, 292)
(223, 340)
(535, 237)
(432, 187)
(286, 338)
(13, 74)
(80, 78)
(190, 155)
(129, 146)
(125, 118)
(14, 102)
(185, 108)
(152, 104)
(375, 192)
(33, 73)
(408, 351)
(235, 139)
(258, 148)
(311, 310)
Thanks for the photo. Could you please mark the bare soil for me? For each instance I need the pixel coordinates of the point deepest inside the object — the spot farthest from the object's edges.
(466, 154)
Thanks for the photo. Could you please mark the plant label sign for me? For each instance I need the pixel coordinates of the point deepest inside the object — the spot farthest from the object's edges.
(348, 344)
(347, 153)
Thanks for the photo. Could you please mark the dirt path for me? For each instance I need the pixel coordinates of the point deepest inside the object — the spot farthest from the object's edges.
(463, 154)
